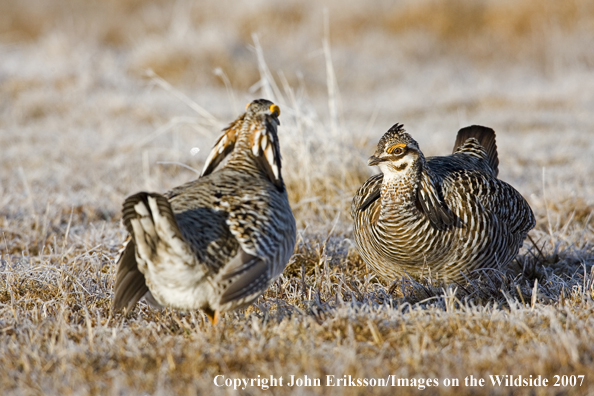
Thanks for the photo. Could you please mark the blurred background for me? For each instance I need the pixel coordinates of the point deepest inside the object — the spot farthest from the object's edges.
(100, 99)
(83, 122)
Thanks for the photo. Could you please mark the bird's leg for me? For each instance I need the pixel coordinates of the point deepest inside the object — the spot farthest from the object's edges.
(213, 316)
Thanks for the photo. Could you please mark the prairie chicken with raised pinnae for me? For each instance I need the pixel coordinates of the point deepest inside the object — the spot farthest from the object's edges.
(217, 242)
(438, 216)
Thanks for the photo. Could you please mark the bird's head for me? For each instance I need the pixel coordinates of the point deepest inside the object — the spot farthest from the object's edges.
(263, 111)
(397, 154)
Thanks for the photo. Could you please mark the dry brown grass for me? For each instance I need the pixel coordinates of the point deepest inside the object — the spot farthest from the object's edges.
(325, 315)
(81, 127)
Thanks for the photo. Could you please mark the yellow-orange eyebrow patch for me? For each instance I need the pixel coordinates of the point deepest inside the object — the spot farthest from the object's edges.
(275, 109)
(394, 147)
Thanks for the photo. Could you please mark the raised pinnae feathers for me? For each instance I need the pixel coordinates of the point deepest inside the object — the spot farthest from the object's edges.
(437, 211)
(223, 146)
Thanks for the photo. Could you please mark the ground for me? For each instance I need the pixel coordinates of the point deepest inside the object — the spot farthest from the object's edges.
(99, 100)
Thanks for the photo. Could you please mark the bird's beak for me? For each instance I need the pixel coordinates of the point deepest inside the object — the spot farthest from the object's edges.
(373, 160)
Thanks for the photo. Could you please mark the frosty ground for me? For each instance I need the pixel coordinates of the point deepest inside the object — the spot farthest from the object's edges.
(101, 100)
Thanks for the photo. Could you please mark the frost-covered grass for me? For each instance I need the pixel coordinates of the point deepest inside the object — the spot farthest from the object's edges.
(83, 124)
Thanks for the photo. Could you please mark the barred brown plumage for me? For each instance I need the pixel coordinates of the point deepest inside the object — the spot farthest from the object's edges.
(443, 217)
(217, 242)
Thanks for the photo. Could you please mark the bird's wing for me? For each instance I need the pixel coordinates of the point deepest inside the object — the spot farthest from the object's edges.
(243, 278)
(476, 190)
(266, 232)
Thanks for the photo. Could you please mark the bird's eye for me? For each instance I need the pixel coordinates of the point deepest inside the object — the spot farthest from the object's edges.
(396, 149)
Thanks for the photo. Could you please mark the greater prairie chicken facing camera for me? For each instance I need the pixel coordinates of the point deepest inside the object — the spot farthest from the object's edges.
(439, 216)
(215, 243)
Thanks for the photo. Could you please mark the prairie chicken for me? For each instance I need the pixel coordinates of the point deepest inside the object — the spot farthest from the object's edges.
(217, 242)
(438, 216)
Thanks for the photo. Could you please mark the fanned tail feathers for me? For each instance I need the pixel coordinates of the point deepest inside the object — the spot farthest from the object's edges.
(485, 137)
(147, 217)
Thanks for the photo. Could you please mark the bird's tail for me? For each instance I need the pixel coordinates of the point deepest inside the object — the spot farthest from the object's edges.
(153, 229)
(485, 137)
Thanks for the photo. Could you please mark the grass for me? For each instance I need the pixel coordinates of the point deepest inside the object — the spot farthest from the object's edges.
(82, 126)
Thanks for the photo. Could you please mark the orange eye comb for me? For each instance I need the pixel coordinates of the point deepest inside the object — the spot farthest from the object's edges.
(275, 109)
(394, 147)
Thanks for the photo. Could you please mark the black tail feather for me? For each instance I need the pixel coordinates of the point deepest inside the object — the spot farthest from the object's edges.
(486, 138)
